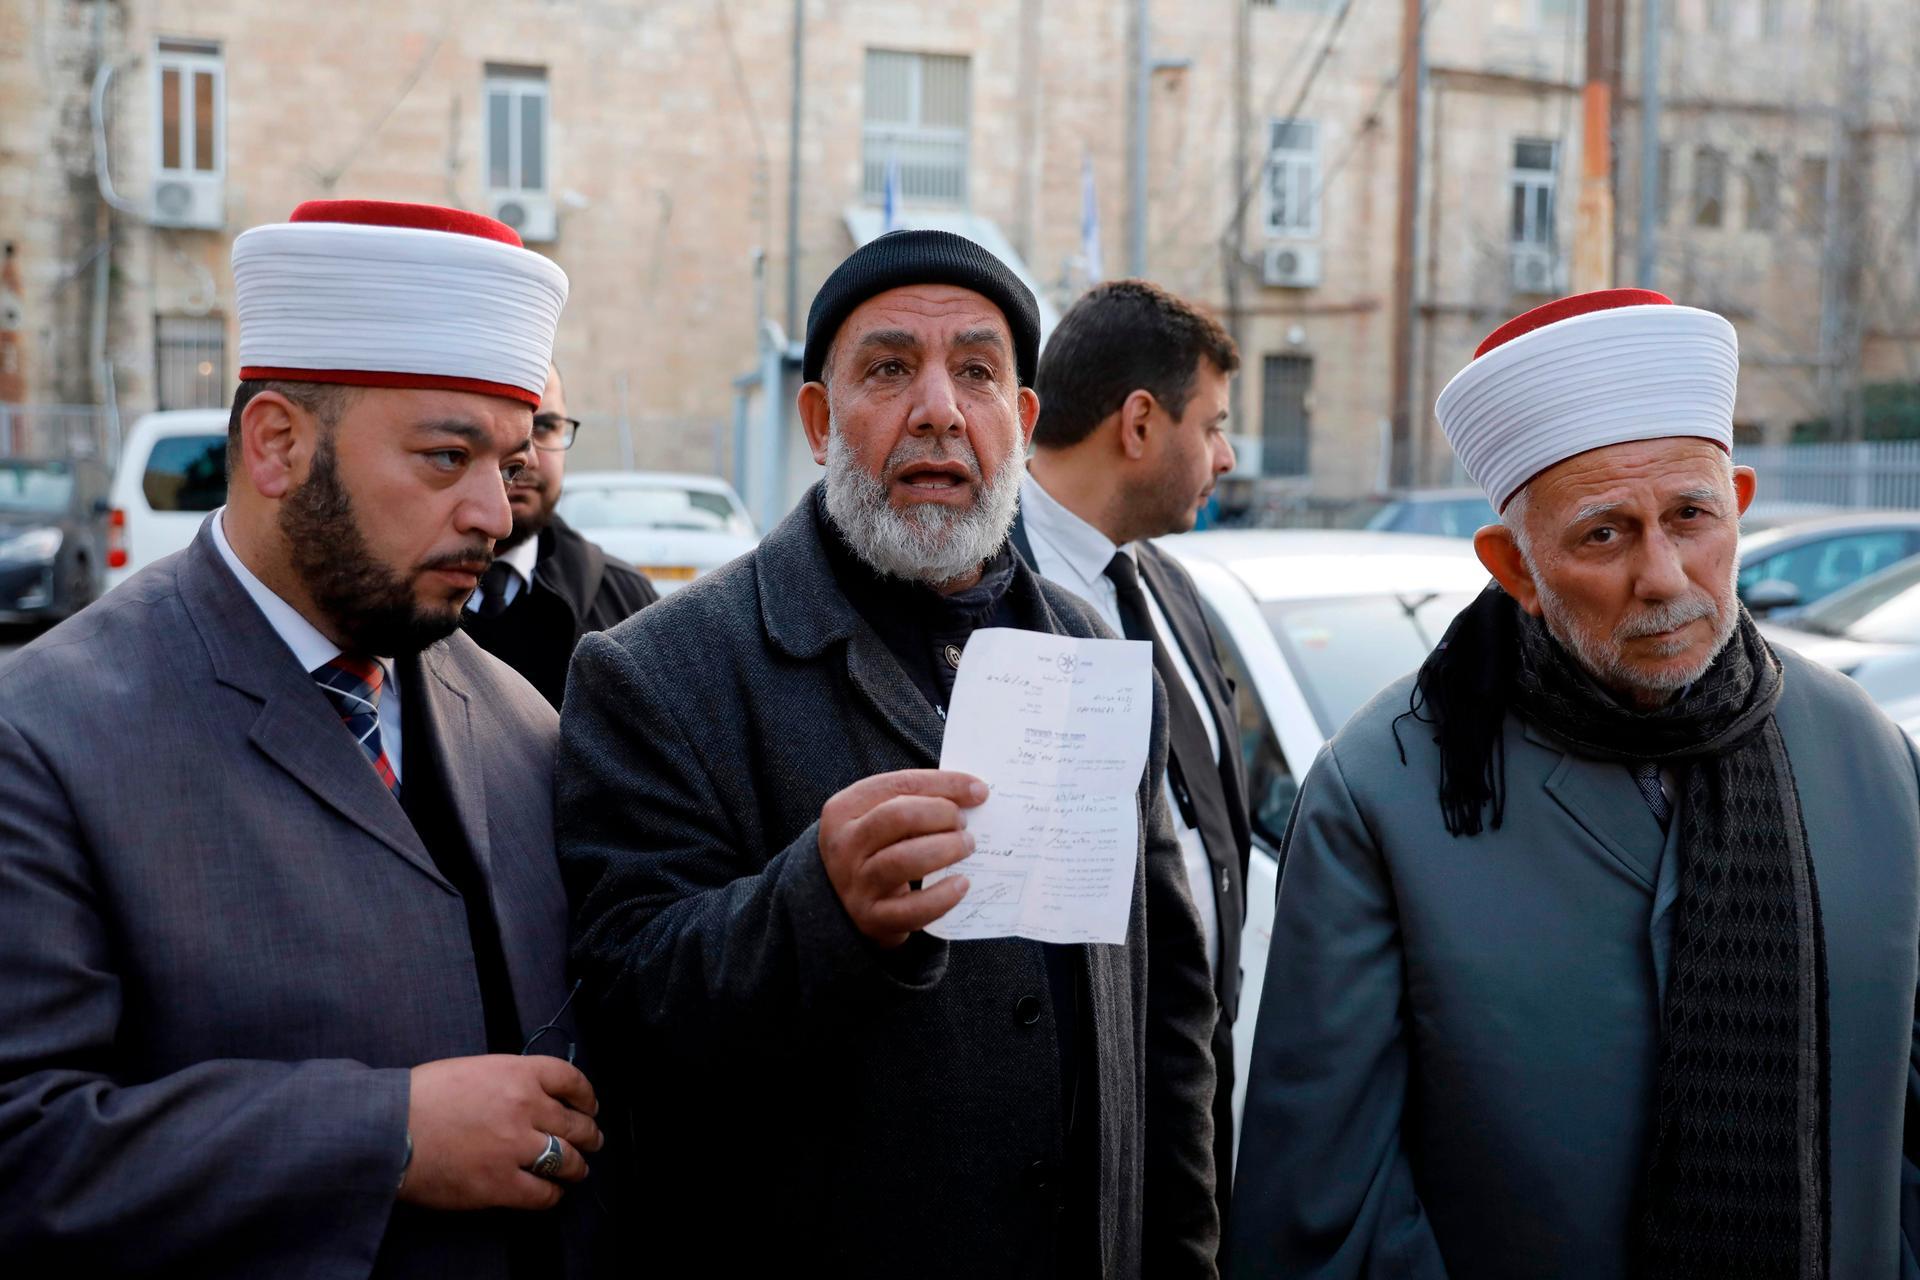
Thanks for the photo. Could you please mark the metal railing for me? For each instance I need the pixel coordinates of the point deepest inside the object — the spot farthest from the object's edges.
(1880, 473)
(59, 431)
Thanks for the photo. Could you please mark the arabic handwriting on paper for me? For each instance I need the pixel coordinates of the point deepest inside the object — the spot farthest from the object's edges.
(1058, 728)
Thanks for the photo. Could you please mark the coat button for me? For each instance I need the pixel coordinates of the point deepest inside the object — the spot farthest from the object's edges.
(1040, 1178)
(1026, 1010)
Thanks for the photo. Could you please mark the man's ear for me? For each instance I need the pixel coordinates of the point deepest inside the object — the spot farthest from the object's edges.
(277, 441)
(1136, 423)
(816, 418)
(1745, 485)
(1029, 405)
(1498, 551)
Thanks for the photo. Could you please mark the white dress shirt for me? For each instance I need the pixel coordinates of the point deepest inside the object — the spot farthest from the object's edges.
(521, 560)
(311, 649)
(1073, 554)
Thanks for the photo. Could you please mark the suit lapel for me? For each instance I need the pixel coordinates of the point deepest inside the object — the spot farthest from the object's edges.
(446, 718)
(296, 728)
(1602, 798)
(298, 731)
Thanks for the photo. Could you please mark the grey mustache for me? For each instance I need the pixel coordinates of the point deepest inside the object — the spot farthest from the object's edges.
(1667, 617)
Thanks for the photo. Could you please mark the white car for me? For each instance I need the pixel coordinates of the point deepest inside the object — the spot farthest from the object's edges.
(672, 527)
(173, 470)
(1311, 626)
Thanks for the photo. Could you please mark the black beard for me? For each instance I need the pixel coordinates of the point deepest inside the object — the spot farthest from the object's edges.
(531, 526)
(367, 603)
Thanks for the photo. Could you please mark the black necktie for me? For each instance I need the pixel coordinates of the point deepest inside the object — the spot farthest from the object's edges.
(1191, 766)
(493, 587)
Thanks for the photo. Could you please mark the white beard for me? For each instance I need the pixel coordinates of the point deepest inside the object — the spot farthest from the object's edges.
(928, 542)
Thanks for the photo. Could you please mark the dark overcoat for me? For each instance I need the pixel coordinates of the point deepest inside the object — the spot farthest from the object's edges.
(222, 943)
(1455, 1068)
(802, 1101)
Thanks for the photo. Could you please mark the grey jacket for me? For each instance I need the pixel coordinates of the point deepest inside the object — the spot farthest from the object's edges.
(1454, 1064)
(223, 945)
(801, 1099)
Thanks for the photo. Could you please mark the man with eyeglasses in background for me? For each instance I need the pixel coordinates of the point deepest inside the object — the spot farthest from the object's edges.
(547, 585)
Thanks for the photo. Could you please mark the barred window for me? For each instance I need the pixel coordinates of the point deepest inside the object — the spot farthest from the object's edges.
(1293, 178)
(915, 121)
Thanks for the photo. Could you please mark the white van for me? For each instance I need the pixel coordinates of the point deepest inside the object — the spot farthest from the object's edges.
(173, 471)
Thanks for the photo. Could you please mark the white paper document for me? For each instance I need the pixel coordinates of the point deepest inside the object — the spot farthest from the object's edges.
(1057, 727)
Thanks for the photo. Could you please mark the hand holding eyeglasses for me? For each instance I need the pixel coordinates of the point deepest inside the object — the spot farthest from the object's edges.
(480, 1125)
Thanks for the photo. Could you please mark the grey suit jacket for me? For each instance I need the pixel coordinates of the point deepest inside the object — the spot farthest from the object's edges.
(223, 945)
(1455, 1058)
(801, 1098)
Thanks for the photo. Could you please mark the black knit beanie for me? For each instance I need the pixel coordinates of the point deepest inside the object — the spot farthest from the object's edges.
(921, 257)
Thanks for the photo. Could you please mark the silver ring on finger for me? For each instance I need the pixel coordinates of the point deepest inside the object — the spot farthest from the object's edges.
(549, 1162)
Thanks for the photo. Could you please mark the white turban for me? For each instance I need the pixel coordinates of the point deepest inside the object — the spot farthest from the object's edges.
(373, 293)
(1585, 372)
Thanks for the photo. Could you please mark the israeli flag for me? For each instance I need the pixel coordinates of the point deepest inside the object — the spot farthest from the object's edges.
(1089, 222)
(890, 197)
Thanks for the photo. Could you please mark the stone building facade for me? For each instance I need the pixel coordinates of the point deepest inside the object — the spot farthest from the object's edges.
(646, 145)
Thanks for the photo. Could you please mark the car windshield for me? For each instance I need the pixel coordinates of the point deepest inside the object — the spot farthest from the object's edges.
(1447, 517)
(652, 507)
(35, 488)
(1345, 650)
(1886, 607)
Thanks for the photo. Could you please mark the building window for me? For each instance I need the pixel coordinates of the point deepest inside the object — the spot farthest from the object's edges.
(1720, 17)
(1709, 187)
(1763, 191)
(1284, 429)
(1533, 183)
(1773, 18)
(190, 362)
(516, 100)
(191, 114)
(916, 117)
(1812, 195)
(1293, 178)
(1555, 13)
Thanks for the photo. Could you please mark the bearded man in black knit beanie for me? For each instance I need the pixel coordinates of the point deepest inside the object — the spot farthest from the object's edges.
(1595, 952)
(751, 805)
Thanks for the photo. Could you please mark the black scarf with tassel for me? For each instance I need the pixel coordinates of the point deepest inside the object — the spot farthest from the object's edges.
(1737, 1176)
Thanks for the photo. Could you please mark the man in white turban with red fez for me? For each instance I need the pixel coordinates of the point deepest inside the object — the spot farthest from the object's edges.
(1596, 941)
(281, 927)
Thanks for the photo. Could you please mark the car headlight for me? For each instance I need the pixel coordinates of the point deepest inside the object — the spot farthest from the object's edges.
(30, 547)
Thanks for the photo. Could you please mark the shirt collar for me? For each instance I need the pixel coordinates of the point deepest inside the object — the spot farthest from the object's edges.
(1085, 549)
(311, 649)
(523, 557)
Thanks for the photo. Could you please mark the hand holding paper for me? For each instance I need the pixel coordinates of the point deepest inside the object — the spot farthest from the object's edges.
(1058, 727)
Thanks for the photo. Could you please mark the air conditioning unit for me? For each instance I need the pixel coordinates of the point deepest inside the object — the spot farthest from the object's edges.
(196, 201)
(1291, 266)
(529, 213)
(1536, 269)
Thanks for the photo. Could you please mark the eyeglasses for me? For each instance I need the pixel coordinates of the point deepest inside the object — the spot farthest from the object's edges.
(554, 432)
(553, 1027)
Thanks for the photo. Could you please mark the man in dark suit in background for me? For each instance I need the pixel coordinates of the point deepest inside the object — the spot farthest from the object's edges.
(749, 803)
(279, 912)
(1131, 437)
(547, 585)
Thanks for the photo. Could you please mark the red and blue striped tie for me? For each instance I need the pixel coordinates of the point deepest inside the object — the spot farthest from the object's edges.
(353, 685)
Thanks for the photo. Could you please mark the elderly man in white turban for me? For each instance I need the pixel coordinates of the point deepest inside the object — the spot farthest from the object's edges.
(1596, 942)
